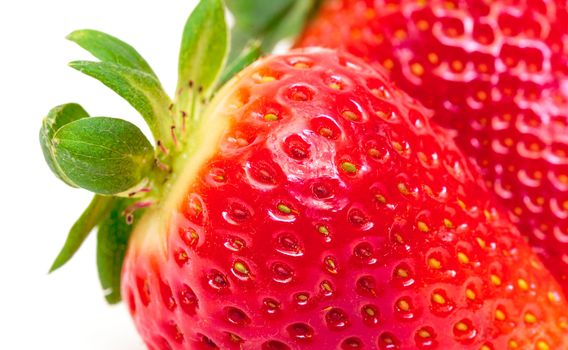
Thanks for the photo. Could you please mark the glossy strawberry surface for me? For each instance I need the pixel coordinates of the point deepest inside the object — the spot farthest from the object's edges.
(334, 215)
(495, 72)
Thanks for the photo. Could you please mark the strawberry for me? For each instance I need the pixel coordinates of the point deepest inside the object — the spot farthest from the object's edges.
(309, 205)
(326, 212)
(493, 72)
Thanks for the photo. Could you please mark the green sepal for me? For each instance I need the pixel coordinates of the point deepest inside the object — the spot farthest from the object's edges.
(203, 53)
(56, 118)
(112, 242)
(95, 212)
(249, 54)
(110, 49)
(103, 155)
(142, 90)
(268, 21)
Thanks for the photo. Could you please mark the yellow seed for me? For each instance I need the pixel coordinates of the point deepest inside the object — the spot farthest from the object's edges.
(241, 268)
(513, 344)
(422, 227)
(283, 208)
(330, 263)
(403, 305)
(464, 259)
(417, 69)
(388, 340)
(457, 65)
(403, 189)
(462, 327)
(530, 318)
(301, 65)
(270, 117)
(433, 58)
(470, 294)
(523, 284)
(438, 298)
(381, 198)
(423, 25)
(399, 238)
(500, 315)
(518, 211)
(349, 167)
(383, 115)
(325, 132)
(349, 115)
(326, 286)
(448, 223)
(449, 5)
(335, 86)
(481, 95)
(369, 311)
(388, 63)
(397, 146)
(182, 256)
(553, 297)
(267, 78)
(481, 242)
(496, 280)
(542, 345)
(535, 263)
(508, 142)
(424, 333)
(402, 273)
(434, 263)
(323, 230)
(484, 347)
(373, 152)
(400, 34)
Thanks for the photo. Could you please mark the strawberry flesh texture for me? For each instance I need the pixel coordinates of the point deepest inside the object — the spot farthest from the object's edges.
(343, 220)
(492, 71)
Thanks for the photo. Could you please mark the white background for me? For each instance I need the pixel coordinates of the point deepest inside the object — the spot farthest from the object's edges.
(65, 310)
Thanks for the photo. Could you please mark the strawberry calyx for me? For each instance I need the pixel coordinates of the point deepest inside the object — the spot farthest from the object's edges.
(112, 157)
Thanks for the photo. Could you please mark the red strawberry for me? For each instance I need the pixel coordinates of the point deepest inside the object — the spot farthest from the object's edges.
(310, 205)
(492, 71)
(324, 211)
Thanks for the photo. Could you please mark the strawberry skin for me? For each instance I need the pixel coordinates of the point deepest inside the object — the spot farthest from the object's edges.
(328, 212)
(492, 71)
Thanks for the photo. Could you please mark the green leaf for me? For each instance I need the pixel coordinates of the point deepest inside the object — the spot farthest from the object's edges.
(98, 209)
(112, 242)
(142, 90)
(249, 54)
(110, 49)
(103, 155)
(56, 118)
(268, 21)
(203, 53)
